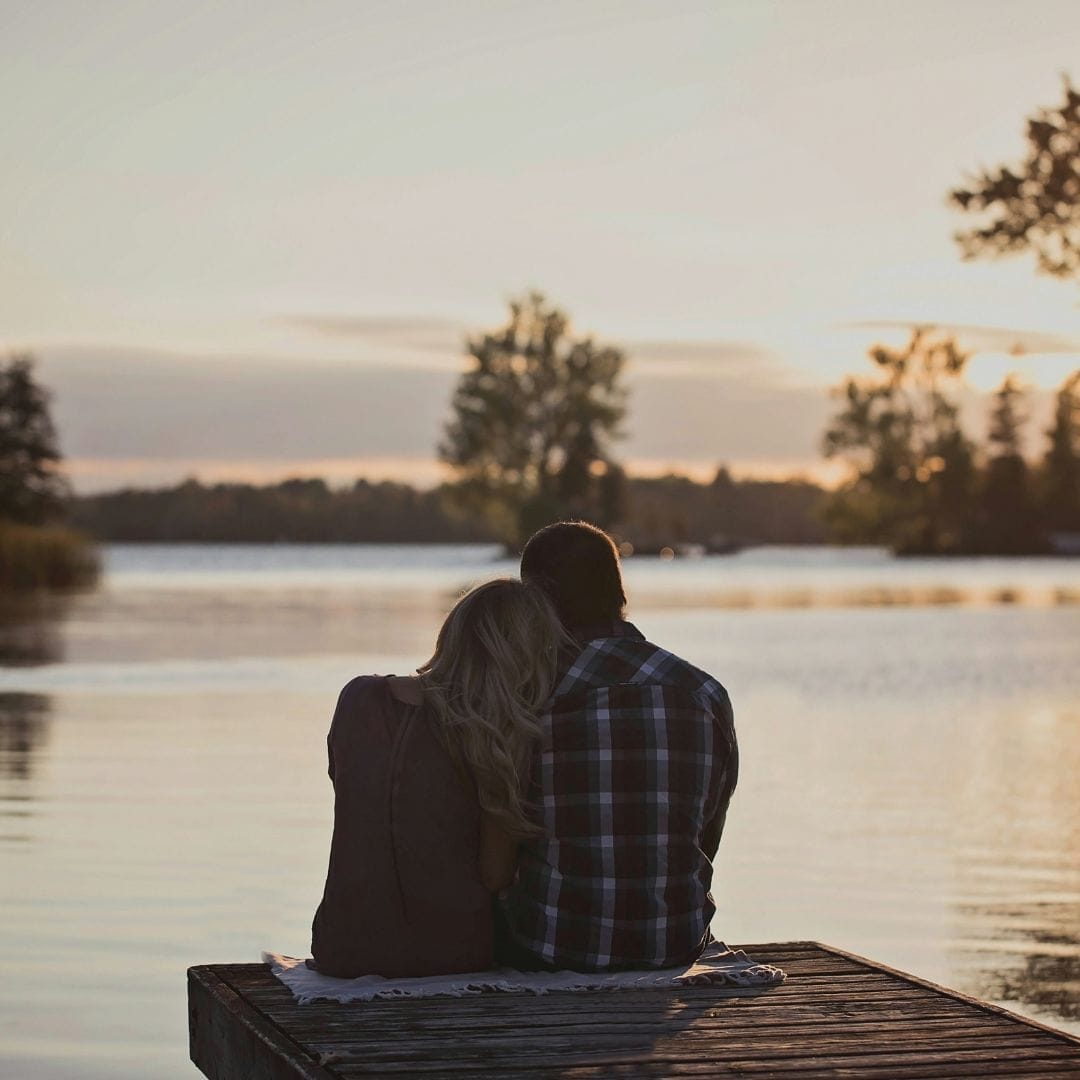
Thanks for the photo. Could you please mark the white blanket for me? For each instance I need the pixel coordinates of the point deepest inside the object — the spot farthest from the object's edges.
(717, 966)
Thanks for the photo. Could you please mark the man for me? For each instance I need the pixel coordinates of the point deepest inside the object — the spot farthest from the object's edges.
(630, 785)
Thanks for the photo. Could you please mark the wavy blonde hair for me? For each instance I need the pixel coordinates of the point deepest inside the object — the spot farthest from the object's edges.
(492, 672)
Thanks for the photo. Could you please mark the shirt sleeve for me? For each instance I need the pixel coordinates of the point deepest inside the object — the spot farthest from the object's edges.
(339, 722)
(727, 773)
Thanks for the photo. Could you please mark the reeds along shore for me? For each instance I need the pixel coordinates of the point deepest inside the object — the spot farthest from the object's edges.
(45, 557)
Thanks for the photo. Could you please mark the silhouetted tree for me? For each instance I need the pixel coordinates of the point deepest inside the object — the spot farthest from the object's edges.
(1007, 420)
(31, 488)
(1061, 466)
(532, 425)
(1009, 522)
(1034, 206)
(612, 494)
(914, 469)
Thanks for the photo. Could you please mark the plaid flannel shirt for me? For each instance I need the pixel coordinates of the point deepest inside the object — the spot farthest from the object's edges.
(635, 769)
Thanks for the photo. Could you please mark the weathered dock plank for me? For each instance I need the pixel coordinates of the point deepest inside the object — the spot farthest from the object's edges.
(229, 1037)
(838, 1016)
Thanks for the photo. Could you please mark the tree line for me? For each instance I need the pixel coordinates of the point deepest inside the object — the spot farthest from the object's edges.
(293, 511)
(670, 511)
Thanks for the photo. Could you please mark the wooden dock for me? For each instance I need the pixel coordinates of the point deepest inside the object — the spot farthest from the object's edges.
(837, 1016)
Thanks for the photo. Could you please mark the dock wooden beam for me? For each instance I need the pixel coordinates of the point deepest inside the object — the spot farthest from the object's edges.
(838, 1016)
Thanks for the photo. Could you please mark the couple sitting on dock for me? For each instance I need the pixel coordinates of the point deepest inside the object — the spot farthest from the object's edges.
(546, 793)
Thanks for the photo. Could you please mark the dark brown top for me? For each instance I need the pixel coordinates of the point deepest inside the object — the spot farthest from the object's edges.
(403, 894)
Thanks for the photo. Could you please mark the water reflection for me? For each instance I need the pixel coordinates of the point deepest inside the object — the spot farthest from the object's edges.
(24, 729)
(765, 577)
(772, 596)
(1017, 827)
(30, 630)
(1036, 960)
(911, 786)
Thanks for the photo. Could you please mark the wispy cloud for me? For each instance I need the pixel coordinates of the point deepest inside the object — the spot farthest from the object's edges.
(724, 359)
(996, 339)
(446, 338)
(404, 331)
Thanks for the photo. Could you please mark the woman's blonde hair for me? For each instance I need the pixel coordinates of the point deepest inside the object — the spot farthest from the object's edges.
(492, 672)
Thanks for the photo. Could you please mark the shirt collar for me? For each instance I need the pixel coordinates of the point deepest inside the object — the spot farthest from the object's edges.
(612, 628)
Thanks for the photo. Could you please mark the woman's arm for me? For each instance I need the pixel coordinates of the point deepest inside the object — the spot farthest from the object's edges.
(498, 854)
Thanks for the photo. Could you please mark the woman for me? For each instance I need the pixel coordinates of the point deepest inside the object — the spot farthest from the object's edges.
(427, 773)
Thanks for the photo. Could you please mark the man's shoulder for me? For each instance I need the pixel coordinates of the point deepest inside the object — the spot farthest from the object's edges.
(629, 659)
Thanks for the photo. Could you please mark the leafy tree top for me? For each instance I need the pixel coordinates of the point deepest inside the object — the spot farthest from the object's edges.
(894, 420)
(1033, 206)
(533, 421)
(900, 432)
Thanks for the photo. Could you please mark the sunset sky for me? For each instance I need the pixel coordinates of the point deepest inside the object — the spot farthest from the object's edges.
(248, 240)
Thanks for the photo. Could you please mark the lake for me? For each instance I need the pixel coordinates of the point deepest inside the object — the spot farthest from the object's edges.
(910, 786)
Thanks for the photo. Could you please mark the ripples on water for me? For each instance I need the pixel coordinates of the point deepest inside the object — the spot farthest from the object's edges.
(910, 785)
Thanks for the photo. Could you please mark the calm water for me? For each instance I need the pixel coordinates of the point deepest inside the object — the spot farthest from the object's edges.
(910, 789)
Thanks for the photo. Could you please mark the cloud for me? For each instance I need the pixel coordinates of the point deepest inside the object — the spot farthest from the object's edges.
(986, 338)
(725, 416)
(446, 338)
(725, 359)
(419, 332)
(160, 415)
(140, 404)
(135, 417)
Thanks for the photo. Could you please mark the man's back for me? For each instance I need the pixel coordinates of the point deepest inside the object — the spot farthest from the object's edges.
(636, 766)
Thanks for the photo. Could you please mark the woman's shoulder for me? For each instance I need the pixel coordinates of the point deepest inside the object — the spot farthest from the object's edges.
(363, 708)
(363, 686)
(361, 697)
(406, 689)
(375, 698)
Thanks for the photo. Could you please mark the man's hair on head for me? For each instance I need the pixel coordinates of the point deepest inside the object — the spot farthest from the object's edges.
(577, 565)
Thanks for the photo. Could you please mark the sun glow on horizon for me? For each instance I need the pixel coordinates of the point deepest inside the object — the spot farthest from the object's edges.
(90, 476)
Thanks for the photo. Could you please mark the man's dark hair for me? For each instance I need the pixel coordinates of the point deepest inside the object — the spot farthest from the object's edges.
(577, 565)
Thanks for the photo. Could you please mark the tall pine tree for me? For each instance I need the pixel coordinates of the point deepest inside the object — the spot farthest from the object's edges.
(1008, 510)
(1061, 466)
(31, 487)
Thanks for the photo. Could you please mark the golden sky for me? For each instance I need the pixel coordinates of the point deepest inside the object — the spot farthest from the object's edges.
(251, 238)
